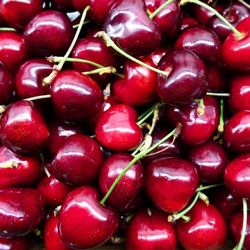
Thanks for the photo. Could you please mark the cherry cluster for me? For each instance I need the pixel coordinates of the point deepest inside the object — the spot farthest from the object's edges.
(124, 122)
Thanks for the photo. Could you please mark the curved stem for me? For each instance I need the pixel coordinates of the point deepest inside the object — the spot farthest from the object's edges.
(158, 10)
(77, 25)
(244, 3)
(39, 97)
(7, 29)
(218, 94)
(221, 123)
(202, 188)
(101, 71)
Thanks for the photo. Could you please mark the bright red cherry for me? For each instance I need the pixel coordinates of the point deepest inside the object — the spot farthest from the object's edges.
(14, 243)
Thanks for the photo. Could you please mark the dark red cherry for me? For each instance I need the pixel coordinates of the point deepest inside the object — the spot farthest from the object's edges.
(48, 33)
(138, 35)
(29, 78)
(117, 130)
(179, 64)
(150, 230)
(205, 230)
(77, 161)
(157, 55)
(51, 237)
(17, 13)
(53, 190)
(80, 5)
(215, 76)
(23, 129)
(197, 127)
(83, 222)
(6, 85)
(63, 5)
(21, 211)
(236, 176)
(75, 97)
(18, 170)
(188, 22)
(237, 132)
(14, 243)
(129, 186)
(210, 160)
(164, 175)
(13, 50)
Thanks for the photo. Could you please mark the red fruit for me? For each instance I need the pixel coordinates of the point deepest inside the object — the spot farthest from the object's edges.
(215, 76)
(6, 85)
(80, 5)
(17, 243)
(188, 22)
(63, 5)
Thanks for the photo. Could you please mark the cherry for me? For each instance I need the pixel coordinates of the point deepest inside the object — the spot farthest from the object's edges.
(215, 76)
(83, 222)
(138, 35)
(117, 130)
(75, 97)
(167, 174)
(80, 5)
(63, 5)
(188, 22)
(129, 186)
(157, 55)
(237, 131)
(17, 13)
(179, 64)
(23, 129)
(29, 78)
(205, 230)
(21, 211)
(77, 161)
(14, 243)
(150, 230)
(50, 32)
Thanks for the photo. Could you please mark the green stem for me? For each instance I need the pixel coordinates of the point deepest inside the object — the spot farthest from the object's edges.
(100, 71)
(7, 29)
(158, 10)
(221, 123)
(111, 44)
(218, 94)
(40, 97)
(201, 188)
(77, 25)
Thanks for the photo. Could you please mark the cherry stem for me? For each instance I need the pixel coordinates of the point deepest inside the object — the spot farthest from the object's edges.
(2, 109)
(59, 67)
(7, 29)
(158, 10)
(218, 94)
(238, 34)
(9, 164)
(244, 3)
(201, 107)
(244, 227)
(39, 97)
(111, 44)
(101, 71)
(202, 188)
(77, 25)
(136, 158)
(221, 123)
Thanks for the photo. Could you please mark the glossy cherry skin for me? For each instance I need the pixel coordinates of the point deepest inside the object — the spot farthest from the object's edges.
(236, 176)
(130, 184)
(117, 130)
(23, 129)
(240, 93)
(29, 78)
(206, 229)
(150, 230)
(48, 33)
(215, 76)
(236, 227)
(138, 86)
(138, 35)
(17, 13)
(236, 51)
(77, 161)
(237, 132)
(197, 127)
(13, 50)
(188, 22)
(21, 211)
(157, 55)
(6, 85)
(75, 97)
(79, 5)
(179, 64)
(179, 177)
(83, 222)
(210, 160)
(14, 243)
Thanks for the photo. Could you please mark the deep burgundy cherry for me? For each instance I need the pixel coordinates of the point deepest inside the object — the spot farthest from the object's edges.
(48, 33)
(236, 176)
(53, 190)
(236, 227)
(17, 171)
(138, 35)
(210, 160)
(23, 129)
(17, 13)
(21, 211)
(138, 86)
(29, 78)
(14, 243)
(171, 182)
(197, 127)
(239, 98)
(13, 50)
(157, 55)
(75, 97)
(215, 75)
(179, 64)
(237, 132)
(188, 22)
(83, 222)
(79, 5)
(130, 184)
(205, 230)
(6, 85)
(77, 161)
(150, 230)
(117, 130)
(63, 5)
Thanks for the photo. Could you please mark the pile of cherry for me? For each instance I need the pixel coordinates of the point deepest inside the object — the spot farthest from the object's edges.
(124, 121)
